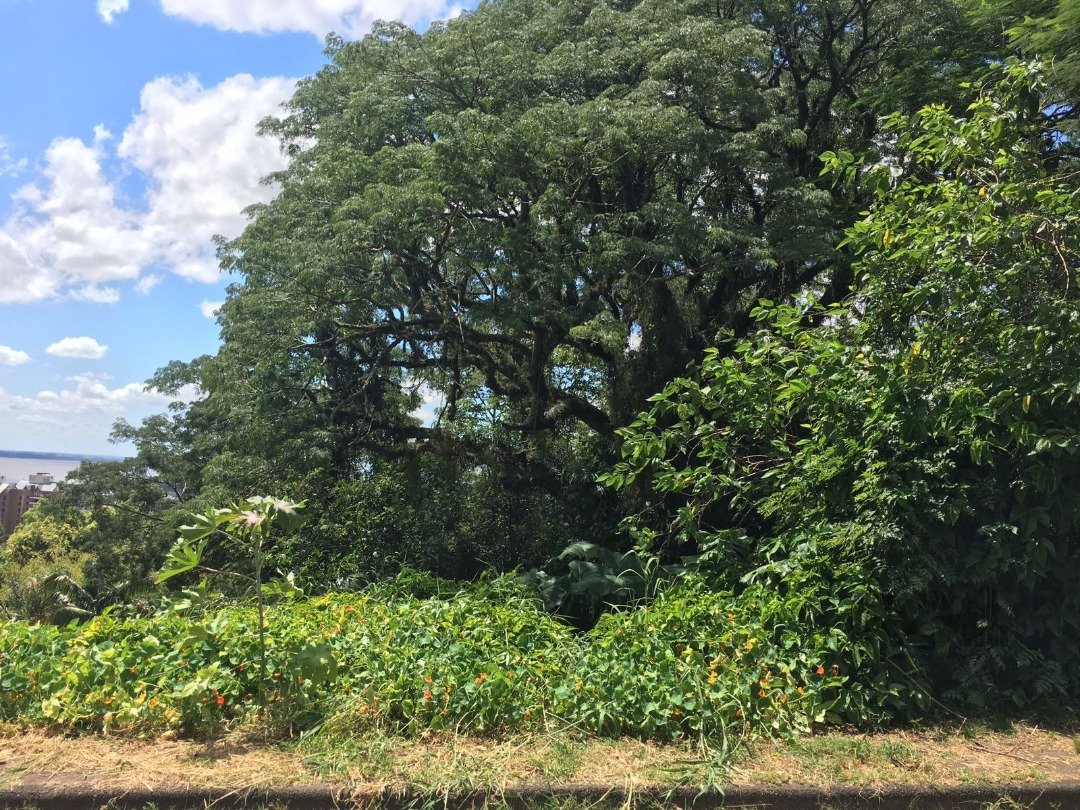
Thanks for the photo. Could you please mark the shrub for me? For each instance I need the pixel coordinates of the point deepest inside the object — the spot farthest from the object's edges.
(912, 451)
(694, 662)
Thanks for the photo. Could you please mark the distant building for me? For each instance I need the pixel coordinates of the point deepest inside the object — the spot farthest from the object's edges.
(18, 498)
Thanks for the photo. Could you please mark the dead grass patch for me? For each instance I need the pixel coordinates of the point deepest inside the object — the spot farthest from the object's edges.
(40, 758)
(940, 756)
(449, 762)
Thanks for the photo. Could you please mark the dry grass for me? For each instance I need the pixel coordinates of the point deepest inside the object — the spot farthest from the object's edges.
(43, 759)
(943, 756)
(438, 762)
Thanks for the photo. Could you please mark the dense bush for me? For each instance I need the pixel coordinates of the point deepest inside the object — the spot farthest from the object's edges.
(693, 662)
(914, 449)
(452, 519)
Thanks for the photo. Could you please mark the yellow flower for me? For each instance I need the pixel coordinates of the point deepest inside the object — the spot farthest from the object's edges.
(750, 644)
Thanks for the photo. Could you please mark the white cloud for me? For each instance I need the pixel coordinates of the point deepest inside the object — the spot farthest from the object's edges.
(147, 283)
(85, 348)
(209, 309)
(79, 417)
(12, 357)
(109, 9)
(8, 164)
(73, 233)
(96, 294)
(20, 281)
(199, 149)
(351, 18)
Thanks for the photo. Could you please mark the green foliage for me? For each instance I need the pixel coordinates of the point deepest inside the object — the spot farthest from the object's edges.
(429, 513)
(246, 526)
(487, 658)
(912, 449)
(535, 214)
(1046, 29)
(127, 516)
(596, 578)
(42, 569)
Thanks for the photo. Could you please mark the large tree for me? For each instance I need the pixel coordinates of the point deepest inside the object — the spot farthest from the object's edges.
(544, 210)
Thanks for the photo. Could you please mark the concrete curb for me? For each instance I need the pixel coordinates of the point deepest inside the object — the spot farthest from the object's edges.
(1062, 795)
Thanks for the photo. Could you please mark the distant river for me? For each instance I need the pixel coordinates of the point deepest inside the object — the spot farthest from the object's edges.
(16, 468)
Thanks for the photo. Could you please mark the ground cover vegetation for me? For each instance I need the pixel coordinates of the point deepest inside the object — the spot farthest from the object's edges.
(745, 335)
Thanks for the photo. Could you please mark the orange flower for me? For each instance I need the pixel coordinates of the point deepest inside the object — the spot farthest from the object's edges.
(427, 694)
(820, 670)
(478, 681)
(761, 693)
(220, 701)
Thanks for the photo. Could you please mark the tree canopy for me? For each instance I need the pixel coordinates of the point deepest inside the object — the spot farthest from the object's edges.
(544, 211)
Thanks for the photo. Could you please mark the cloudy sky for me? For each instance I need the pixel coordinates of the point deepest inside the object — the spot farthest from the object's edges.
(127, 141)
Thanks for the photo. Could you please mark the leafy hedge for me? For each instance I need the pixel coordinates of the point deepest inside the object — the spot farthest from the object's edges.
(914, 449)
(692, 662)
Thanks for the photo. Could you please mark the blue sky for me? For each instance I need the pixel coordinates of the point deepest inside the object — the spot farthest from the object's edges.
(127, 140)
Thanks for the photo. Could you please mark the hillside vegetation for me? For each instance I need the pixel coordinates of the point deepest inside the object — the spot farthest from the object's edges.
(665, 369)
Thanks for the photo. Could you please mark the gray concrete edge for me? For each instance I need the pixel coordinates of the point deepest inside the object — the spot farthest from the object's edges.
(1062, 795)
